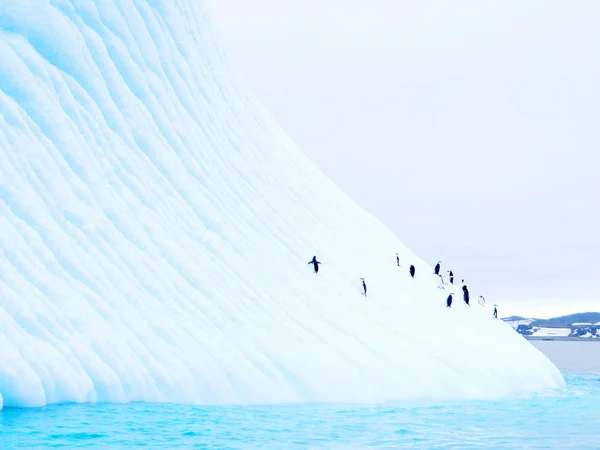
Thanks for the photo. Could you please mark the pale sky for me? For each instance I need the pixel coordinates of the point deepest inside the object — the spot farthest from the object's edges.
(471, 129)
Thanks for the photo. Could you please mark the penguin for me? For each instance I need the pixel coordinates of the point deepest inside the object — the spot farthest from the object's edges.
(495, 312)
(437, 268)
(412, 271)
(364, 286)
(451, 276)
(481, 300)
(449, 301)
(315, 264)
(397, 260)
(466, 294)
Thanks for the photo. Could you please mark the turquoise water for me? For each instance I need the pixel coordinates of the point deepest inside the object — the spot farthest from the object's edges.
(569, 418)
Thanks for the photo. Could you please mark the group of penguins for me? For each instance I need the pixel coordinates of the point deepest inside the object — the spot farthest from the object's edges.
(412, 271)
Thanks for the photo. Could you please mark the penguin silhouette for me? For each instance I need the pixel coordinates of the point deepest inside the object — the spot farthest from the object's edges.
(364, 286)
(451, 276)
(449, 301)
(315, 264)
(437, 268)
(495, 312)
(466, 294)
(481, 300)
(397, 260)
(412, 271)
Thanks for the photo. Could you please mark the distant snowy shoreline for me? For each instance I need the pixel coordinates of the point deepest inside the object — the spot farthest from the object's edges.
(578, 327)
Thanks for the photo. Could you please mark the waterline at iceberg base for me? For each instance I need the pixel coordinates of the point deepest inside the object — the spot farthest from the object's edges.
(537, 421)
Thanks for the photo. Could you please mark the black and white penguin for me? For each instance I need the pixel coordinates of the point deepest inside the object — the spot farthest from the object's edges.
(437, 268)
(449, 301)
(315, 264)
(412, 271)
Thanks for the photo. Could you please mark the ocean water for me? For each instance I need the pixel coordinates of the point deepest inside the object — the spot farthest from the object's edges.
(569, 418)
(578, 357)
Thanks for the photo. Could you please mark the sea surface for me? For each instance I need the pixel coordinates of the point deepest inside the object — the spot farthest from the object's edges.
(579, 357)
(569, 418)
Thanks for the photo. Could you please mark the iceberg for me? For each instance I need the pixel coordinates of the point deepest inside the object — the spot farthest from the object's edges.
(156, 226)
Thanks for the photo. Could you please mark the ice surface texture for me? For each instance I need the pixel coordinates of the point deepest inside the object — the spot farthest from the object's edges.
(156, 226)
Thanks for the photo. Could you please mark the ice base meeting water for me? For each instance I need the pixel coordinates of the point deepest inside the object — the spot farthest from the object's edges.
(565, 418)
(569, 418)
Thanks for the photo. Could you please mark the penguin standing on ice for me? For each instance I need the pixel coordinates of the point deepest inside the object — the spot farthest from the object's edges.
(412, 271)
(481, 300)
(495, 312)
(364, 286)
(449, 301)
(315, 264)
(397, 260)
(451, 276)
(437, 268)
(466, 294)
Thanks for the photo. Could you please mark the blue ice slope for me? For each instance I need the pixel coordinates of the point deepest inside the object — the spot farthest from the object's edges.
(155, 230)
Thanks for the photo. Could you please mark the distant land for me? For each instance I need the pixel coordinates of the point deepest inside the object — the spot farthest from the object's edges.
(580, 326)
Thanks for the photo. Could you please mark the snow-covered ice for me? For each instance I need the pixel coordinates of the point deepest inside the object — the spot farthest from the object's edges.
(559, 332)
(156, 226)
(516, 323)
